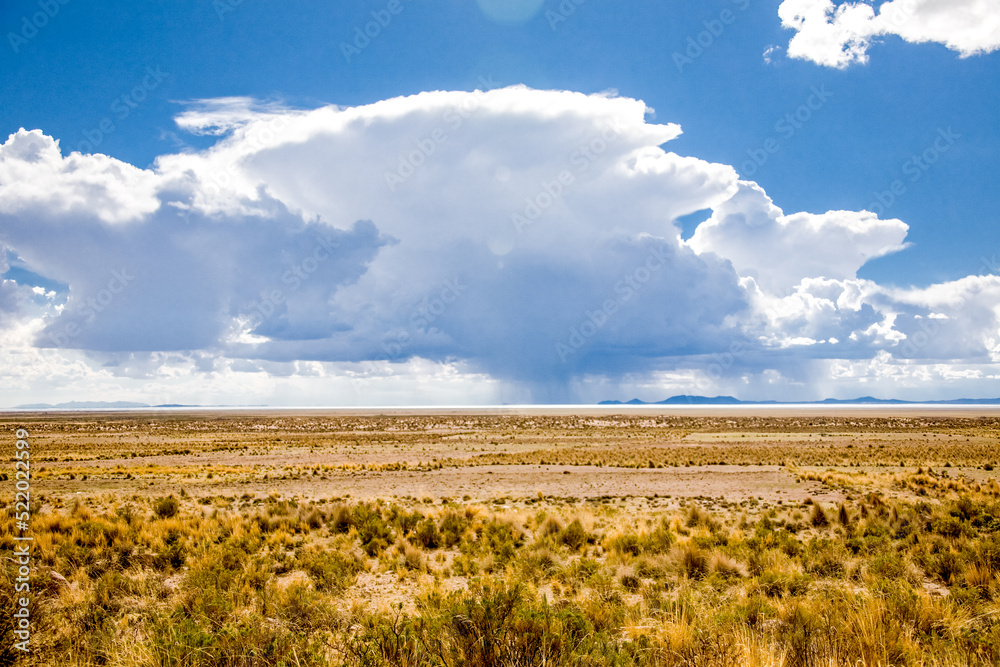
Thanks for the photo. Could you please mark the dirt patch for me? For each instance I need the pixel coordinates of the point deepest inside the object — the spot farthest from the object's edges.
(485, 483)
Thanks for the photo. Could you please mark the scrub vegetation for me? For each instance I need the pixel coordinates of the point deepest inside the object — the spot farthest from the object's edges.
(886, 550)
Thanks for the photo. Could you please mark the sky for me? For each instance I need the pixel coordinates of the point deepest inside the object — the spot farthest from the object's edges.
(477, 202)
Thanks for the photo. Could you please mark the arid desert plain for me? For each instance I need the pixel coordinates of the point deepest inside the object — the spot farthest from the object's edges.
(724, 536)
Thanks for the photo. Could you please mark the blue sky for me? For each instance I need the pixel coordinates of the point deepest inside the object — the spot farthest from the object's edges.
(823, 107)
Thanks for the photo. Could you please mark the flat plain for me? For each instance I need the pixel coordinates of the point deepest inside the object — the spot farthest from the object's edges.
(507, 537)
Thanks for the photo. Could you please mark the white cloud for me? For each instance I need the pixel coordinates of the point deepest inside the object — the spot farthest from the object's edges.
(779, 250)
(221, 115)
(819, 309)
(536, 204)
(840, 35)
(959, 320)
(36, 178)
(499, 246)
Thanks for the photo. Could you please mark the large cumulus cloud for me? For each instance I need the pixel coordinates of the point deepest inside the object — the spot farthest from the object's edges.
(523, 240)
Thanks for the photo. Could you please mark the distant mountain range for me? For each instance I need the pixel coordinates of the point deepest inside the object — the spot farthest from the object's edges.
(673, 400)
(95, 405)
(864, 400)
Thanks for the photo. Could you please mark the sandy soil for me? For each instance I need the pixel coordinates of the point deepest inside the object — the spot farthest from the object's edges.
(728, 454)
(485, 483)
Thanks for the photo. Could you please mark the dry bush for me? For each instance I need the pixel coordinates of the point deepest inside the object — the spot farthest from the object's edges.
(727, 567)
(818, 517)
(410, 557)
(166, 507)
(692, 561)
(574, 535)
(550, 527)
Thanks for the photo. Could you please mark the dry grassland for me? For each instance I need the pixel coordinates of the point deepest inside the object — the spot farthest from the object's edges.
(304, 539)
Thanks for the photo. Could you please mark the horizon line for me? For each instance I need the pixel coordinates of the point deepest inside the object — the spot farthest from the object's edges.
(525, 406)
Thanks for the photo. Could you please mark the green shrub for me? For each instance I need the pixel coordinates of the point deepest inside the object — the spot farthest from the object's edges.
(500, 539)
(453, 527)
(166, 507)
(574, 535)
(628, 543)
(818, 517)
(340, 519)
(692, 561)
(823, 558)
(375, 534)
(948, 526)
(551, 527)
(405, 522)
(331, 570)
(427, 534)
(661, 539)
(538, 564)
(172, 552)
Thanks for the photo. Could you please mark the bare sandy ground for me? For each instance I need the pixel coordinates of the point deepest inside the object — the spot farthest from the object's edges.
(485, 483)
(725, 453)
